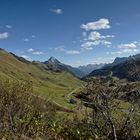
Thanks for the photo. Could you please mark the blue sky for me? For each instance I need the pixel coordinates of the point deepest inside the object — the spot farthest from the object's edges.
(76, 32)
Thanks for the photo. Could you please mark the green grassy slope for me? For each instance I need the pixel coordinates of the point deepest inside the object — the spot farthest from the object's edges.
(56, 85)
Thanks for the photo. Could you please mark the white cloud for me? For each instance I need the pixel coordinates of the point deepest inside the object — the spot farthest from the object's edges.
(62, 49)
(26, 40)
(102, 23)
(37, 53)
(26, 57)
(29, 38)
(124, 51)
(94, 36)
(72, 52)
(104, 42)
(4, 35)
(129, 48)
(97, 36)
(30, 50)
(57, 11)
(89, 44)
(8, 26)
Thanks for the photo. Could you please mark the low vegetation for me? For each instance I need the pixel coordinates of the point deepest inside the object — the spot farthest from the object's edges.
(23, 115)
(114, 108)
(106, 116)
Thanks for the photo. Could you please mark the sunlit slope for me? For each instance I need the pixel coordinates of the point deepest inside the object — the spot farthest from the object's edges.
(53, 84)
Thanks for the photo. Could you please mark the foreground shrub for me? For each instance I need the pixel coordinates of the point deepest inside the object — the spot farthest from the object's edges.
(22, 114)
(115, 115)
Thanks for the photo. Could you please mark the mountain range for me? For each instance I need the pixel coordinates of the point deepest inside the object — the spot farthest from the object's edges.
(55, 65)
(12, 65)
(123, 68)
(86, 69)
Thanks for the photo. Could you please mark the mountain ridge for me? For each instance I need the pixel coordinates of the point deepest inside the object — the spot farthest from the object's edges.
(123, 68)
(55, 65)
(90, 67)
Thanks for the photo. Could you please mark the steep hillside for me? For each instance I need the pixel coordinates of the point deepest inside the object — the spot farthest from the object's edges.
(47, 83)
(118, 60)
(129, 69)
